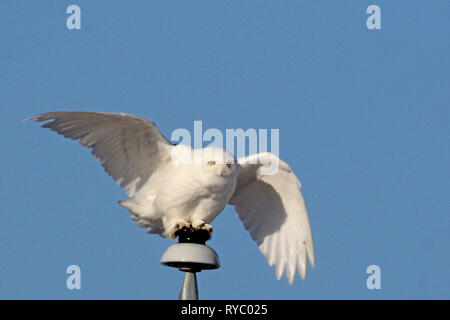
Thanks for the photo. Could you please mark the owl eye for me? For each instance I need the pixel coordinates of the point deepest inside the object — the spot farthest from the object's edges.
(229, 165)
(211, 163)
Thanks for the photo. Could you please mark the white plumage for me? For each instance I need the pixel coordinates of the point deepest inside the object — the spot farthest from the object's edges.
(173, 186)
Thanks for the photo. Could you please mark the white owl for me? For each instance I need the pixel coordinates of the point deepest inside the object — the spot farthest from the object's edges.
(175, 186)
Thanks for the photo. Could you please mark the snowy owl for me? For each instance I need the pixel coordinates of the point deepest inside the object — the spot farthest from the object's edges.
(168, 192)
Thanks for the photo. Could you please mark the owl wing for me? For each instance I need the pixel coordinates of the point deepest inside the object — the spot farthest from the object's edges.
(272, 209)
(129, 148)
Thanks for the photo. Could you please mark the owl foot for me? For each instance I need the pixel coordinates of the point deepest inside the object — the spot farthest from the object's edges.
(197, 232)
(172, 232)
(201, 225)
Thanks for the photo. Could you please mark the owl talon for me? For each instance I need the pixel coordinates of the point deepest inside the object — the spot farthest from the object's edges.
(201, 225)
(176, 228)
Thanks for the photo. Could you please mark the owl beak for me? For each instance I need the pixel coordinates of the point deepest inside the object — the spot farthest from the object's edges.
(220, 170)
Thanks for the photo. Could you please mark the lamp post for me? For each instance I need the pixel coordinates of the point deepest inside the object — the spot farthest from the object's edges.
(190, 255)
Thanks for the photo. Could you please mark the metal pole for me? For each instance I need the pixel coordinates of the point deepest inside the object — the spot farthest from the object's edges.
(190, 255)
(189, 291)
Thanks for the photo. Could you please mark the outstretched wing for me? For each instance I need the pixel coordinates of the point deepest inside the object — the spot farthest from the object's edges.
(273, 211)
(129, 148)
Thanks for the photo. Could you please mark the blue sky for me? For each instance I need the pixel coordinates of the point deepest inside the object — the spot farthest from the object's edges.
(363, 119)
